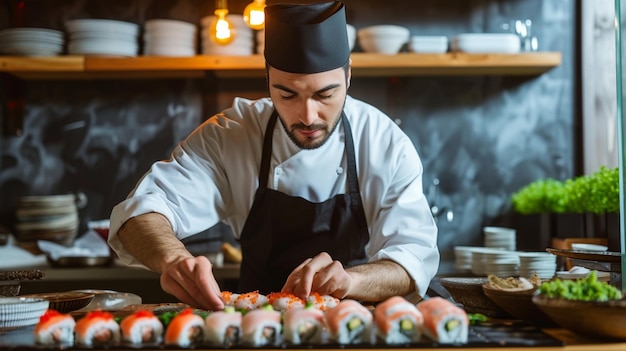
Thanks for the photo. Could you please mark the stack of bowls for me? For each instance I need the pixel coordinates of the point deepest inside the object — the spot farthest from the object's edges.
(47, 217)
(384, 39)
(31, 42)
(102, 37)
(166, 37)
(542, 263)
(17, 312)
(242, 45)
(463, 257)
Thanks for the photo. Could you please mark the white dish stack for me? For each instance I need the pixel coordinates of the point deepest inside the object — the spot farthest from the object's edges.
(17, 312)
(47, 217)
(486, 43)
(31, 41)
(500, 237)
(428, 44)
(542, 263)
(242, 45)
(102, 37)
(166, 37)
(502, 263)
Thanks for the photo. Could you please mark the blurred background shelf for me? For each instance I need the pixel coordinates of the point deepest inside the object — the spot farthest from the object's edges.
(363, 65)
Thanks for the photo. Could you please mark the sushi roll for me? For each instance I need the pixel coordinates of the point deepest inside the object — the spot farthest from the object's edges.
(284, 301)
(223, 328)
(55, 328)
(349, 322)
(250, 301)
(261, 327)
(304, 325)
(142, 328)
(444, 322)
(398, 321)
(185, 329)
(323, 302)
(97, 329)
(229, 298)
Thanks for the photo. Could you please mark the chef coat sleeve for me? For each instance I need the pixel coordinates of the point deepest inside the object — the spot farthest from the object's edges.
(402, 228)
(185, 189)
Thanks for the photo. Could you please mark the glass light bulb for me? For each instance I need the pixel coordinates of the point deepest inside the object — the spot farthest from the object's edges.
(222, 30)
(254, 14)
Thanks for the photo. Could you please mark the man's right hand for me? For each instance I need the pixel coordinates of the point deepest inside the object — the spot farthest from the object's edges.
(191, 280)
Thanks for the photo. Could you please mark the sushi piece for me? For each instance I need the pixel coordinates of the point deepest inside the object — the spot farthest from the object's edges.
(284, 301)
(97, 329)
(223, 328)
(229, 298)
(250, 301)
(444, 322)
(349, 322)
(261, 327)
(55, 328)
(142, 328)
(398, 321)
(185, 329)
(323, 302)
(304, 325)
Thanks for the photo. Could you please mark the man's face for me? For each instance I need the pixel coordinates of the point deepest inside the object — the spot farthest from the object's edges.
(309, 105)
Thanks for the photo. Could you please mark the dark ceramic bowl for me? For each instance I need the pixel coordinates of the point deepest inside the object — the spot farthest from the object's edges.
(65, 302)
(594, 319)
(469, 293)
(519, 304)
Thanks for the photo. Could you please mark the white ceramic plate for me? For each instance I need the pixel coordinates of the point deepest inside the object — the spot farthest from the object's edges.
(588, 247)
(169, 25)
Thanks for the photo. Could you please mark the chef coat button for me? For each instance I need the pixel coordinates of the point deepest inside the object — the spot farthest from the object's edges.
(339, 170)
(279, 171)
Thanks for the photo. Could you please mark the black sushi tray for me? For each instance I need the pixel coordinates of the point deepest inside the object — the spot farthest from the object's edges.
(486, 335)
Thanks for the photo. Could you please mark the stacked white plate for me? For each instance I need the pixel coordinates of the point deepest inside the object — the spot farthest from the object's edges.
(17, 312)
(166, 37)
(499, 237)
(463, 257)
(495, 261)
(242, 45)
(31, 42)
(542, 263)
(102, 37)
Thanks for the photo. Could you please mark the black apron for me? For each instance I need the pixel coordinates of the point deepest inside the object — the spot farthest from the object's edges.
(282, 231)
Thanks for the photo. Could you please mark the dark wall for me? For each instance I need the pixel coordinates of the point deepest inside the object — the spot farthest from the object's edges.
(482, 137)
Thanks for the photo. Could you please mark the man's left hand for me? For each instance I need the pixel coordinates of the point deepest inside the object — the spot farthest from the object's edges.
(319, 274)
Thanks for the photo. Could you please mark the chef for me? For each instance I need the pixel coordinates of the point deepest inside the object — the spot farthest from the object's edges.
(323, 191)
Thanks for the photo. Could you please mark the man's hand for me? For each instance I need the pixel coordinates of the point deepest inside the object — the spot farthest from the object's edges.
(319, 274)
(191, 280)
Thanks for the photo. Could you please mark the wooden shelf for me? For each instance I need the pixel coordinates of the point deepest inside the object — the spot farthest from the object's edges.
(363, 65)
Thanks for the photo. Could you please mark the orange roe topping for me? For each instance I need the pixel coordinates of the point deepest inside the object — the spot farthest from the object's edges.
(48, 315)
(227, 296)
(99, 314)
(144, 313)
(318, 298)
(251, 296)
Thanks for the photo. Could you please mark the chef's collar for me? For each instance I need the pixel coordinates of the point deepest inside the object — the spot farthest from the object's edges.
(301, 38)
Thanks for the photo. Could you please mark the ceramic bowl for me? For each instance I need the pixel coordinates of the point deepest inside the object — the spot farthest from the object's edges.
(519, 304)
(468, 291)
(591, 318)
(383, 39)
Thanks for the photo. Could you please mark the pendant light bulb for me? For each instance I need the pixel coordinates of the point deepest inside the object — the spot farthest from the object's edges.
(254, 14)
(222, 31)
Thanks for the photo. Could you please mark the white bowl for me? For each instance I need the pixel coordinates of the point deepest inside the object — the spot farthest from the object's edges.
(487, 43)
(169, 50)
(351, 35)
(383, 39)
(588, 247)
(431, 44)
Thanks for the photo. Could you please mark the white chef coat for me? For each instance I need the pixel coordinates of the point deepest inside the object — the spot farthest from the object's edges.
(212, 176)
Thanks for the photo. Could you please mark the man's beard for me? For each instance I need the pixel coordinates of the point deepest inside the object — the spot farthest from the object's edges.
(310, 143)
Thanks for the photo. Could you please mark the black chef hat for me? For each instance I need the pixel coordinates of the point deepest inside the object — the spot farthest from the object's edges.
(309, 38)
